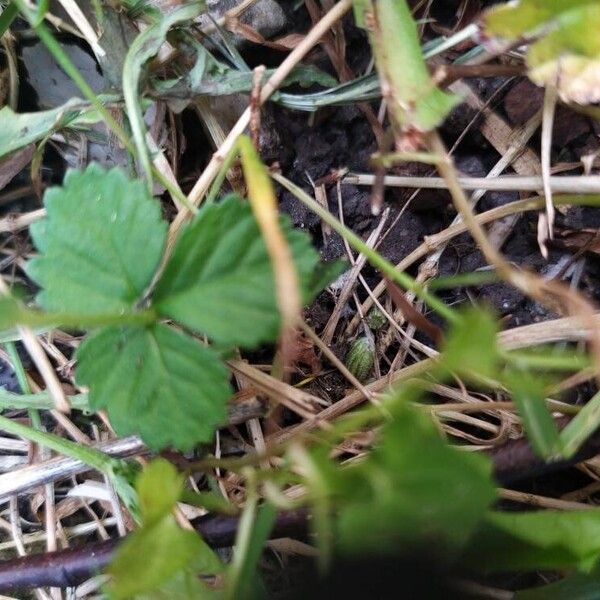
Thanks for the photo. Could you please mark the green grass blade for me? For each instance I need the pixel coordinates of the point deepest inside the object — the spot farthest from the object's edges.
(581, 427)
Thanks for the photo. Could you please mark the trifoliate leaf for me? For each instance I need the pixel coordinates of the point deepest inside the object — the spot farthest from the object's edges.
(100, 244)
(567, 55)
(156, 382)
(219, 280)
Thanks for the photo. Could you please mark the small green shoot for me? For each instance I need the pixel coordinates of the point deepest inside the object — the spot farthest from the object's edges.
(160, 551)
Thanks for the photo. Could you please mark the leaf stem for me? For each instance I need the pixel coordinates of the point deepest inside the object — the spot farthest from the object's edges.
(90, 456)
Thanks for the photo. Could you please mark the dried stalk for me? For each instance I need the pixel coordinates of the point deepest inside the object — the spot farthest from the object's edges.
(580, 184)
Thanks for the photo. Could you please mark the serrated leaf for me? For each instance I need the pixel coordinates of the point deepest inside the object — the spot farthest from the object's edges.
(219, 280)
(567, 55)
(100, 244)
(528, 392)
(156, 382)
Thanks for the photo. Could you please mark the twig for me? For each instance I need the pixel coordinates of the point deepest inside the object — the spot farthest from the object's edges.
(32, 476)
(581, 184)
(68, 568)
(73, 10)
(543, 501)
(512, 147)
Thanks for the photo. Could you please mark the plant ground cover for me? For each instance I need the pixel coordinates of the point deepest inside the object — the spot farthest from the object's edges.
(299, 299)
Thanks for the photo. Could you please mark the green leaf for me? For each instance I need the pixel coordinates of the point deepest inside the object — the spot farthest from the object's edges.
(244, 579)
(581, 426)
(211, 77)
(567, 55)
(17, 130)
(159, 487)
(413, 98)
(160, 550)
(470, 347)
(418, 487)
(219, 280)
(537, 540)
(360, 357)
(11, 312)
(156, 382)
(100, 244)
(324, 274)
(186, 585)
(144, 47)
(528, 392)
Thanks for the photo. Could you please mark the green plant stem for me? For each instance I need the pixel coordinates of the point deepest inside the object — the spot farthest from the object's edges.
(7, 17)
(17, 365)
(90, 456)
(547, 362)
(373, 256)
(40, 401)
(242, 543)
